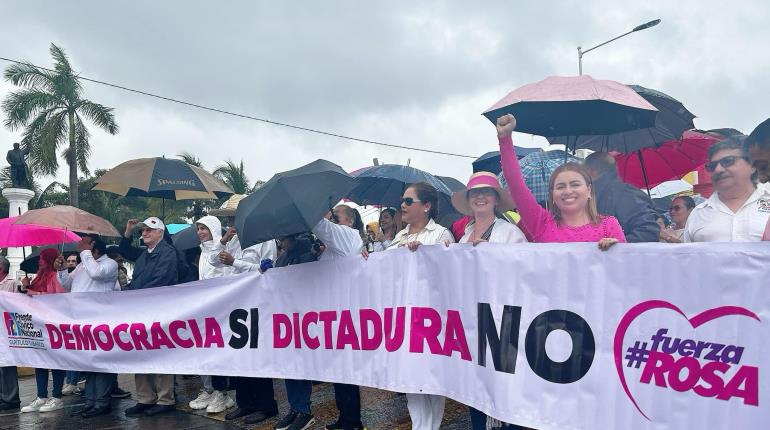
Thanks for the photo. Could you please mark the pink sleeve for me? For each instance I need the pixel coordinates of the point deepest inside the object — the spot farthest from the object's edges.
(613, 229)
(533, 216)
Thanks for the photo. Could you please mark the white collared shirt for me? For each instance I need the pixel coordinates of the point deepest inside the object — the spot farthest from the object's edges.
(340, 240)
(244, 260)
(713, 221)
(91, 276)
(502, 232)
(431, 234)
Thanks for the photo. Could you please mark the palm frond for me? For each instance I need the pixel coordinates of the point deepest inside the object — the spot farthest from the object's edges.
(233, 175)
(190, 159)
(82, 147)
(21, 105)
(65, 79)
(42, 152)
(100, 115)
(27, 75)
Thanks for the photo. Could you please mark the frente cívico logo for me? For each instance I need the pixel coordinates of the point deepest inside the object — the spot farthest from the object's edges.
(21, 331)
(707, 368)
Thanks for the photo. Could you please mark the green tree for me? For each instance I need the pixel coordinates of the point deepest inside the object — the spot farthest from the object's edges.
(51, 111)
(234, 176)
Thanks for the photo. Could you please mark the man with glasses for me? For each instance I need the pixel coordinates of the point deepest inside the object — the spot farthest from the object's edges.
(738, 210)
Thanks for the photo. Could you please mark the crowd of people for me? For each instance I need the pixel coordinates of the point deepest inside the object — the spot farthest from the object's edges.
(587, 202)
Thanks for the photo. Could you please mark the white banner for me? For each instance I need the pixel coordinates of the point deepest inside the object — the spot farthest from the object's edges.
(550, 336)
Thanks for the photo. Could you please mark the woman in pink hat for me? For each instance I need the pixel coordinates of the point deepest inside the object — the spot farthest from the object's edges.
(573, 216)
(484, 199)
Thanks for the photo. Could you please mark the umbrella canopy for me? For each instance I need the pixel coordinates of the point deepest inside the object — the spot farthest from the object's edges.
(187, 238)
(490, 162)
(385, 184)
(672, 120)
(649, 167)
(452, 183)
(291, 202)
(176, 228)
(574, 106)
(70, 218)
(537, 169)
(670, 188)
(30, 264)
(162, 178)
(12, 234)
(228, 208)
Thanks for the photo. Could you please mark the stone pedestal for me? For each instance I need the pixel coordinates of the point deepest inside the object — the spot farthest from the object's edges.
(18, 202)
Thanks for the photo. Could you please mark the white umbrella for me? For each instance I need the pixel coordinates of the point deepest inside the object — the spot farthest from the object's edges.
(669, 188)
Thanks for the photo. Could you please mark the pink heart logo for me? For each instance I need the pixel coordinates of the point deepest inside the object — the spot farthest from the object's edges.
(695, 322)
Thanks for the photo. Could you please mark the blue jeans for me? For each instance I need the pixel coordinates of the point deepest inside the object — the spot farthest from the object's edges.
(41, 379)
(299, 395)
(73, 377)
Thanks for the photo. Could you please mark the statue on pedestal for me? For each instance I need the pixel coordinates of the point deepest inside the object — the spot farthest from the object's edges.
(18, 164)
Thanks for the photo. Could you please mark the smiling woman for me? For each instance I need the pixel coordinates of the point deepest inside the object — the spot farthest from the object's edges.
(573, 216)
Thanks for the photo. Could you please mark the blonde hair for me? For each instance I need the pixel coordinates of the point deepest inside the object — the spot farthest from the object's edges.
(590, 208)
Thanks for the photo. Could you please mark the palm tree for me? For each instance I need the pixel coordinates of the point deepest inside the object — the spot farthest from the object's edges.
(234, 176)
(51, 111)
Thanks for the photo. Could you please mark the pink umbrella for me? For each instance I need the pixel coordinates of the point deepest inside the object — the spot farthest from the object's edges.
(649, 167)
(575, 106)
(12, 235)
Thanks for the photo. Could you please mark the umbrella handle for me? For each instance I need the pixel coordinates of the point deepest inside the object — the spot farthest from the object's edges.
(24, 253)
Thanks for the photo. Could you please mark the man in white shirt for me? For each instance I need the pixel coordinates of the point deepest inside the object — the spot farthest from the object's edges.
(738, 210)
(96, 273)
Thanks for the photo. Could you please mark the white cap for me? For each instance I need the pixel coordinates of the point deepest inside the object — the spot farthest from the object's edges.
(152, 222)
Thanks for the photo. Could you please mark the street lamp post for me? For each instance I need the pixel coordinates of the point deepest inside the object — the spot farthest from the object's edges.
(637, 28)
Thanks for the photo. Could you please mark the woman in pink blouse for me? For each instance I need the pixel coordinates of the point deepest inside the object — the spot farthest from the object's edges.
(573, 216)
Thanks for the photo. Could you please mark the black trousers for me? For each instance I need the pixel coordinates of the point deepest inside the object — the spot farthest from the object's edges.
(9, 385)
(348, 399)
(255, 394)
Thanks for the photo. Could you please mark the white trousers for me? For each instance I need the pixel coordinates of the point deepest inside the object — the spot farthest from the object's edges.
(426, 410)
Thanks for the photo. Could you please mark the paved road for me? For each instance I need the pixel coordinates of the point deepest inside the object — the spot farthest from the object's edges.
(380, 410)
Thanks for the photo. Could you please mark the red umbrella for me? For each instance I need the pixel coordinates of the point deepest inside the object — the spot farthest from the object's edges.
(649, 167)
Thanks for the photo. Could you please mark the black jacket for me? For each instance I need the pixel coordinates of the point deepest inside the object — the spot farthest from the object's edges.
(631, 206)
(155, 269)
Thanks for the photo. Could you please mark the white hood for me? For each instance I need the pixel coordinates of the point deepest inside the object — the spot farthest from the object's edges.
(206, 270)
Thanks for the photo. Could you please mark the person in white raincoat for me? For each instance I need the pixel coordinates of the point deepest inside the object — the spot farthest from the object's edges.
(213, 396)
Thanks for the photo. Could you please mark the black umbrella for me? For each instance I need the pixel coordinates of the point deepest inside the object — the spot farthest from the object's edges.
(291, 202)
(490, 162)
(452, 183)
(672, 120)
(30, 264)
(186, 238)
(385, 184)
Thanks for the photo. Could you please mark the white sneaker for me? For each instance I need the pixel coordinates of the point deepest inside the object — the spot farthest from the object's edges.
(220, 402)
(68, 389)
(53, 404)
(202, 401)
(35, 405)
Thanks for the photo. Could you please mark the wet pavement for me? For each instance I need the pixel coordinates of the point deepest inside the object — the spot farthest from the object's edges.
(379, 409)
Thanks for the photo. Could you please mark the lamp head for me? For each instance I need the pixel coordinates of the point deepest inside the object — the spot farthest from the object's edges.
(646, 25)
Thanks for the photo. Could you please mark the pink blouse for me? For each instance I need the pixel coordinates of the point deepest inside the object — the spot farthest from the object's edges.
(539, 222)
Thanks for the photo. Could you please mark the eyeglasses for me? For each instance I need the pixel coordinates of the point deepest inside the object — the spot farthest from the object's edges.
(675, 208)
(409, 201)
(724, 162)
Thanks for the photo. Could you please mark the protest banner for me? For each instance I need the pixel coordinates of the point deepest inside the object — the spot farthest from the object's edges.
(550, 336)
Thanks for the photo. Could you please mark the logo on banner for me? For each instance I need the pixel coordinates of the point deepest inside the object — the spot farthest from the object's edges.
(691, 366)
(22, 332)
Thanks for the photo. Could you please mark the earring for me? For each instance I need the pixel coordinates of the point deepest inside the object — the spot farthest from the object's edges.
(426, 211)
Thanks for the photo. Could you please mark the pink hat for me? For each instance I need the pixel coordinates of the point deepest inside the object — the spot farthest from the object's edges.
(482, 180)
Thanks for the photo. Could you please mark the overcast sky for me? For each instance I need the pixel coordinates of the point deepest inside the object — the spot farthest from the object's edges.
(407, 73)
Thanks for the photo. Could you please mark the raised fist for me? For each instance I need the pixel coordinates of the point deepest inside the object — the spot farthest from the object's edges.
(506, 124)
